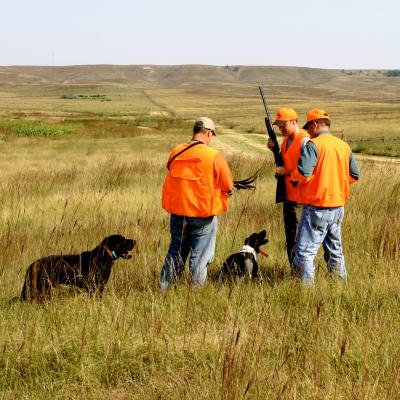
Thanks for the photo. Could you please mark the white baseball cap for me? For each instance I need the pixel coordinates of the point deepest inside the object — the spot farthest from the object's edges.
(205, 123)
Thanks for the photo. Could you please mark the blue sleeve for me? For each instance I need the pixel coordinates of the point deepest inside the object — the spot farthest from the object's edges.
(308, 159)
(354, 170)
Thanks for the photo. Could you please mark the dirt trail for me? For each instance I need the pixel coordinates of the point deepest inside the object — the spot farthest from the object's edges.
(234, 146)
(244, 138)
(380, 159)
(248, 140)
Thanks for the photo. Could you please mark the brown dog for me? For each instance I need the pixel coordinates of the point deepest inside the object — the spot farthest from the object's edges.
(89, 270)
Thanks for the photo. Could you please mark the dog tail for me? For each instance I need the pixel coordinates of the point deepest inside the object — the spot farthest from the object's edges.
(22, 297)
(27, 280)
(14, 300)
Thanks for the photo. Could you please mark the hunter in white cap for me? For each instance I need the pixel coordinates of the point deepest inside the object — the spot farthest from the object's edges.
(195, 192)
(205, 123)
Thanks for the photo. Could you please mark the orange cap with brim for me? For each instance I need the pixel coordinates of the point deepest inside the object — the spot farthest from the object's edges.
(285, 114)
(314, 114)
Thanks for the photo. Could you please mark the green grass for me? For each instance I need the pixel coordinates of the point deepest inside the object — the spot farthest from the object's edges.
(36, 128)
(268, 339)
(254, 340)
(378, 149)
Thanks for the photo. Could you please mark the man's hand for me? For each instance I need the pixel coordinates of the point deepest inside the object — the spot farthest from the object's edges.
(282, 171)
(229, 193)
(270, 144)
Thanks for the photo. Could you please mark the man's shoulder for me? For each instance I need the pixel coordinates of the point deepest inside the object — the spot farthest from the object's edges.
(338, 141)
(303, 133)
(299, 141)
(331, 141)
(195, 148)
(205, 149)
(214, 150)
(180, 146)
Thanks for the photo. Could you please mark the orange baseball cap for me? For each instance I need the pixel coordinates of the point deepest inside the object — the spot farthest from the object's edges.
(285, 114)
(314, 114)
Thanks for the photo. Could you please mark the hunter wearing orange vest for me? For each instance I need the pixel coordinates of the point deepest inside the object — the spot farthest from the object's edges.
(325, 170)
(294, 139)
(196, 190)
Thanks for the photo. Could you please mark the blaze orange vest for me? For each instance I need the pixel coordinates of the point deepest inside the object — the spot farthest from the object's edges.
(329, 185)
(189, 189)
(290, 159)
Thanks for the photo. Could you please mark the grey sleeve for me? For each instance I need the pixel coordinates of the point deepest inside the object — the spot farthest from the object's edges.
(308, 159)
(354, 170)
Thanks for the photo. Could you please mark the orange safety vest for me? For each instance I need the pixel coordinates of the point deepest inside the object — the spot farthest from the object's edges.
(197, 182)
(329, 185)
(290, 159)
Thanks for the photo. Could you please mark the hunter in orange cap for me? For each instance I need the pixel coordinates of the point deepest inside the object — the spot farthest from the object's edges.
(294, 139)
(325, 170)
(285, 114)
(314, 115)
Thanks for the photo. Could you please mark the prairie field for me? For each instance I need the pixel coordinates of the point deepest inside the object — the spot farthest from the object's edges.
(74, 170)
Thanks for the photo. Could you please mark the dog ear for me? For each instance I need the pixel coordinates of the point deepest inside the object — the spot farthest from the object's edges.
(251, 240)
(262, 238)
(112, 240)
(104, 242)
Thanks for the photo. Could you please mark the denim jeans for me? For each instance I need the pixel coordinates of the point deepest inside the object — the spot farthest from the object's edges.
(318, 226)
(189, 235)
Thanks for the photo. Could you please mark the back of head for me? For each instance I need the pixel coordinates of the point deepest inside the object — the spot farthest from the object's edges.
(319, 115)
(202, 124)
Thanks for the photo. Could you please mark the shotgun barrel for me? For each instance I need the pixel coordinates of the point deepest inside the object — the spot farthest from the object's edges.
(280, 185)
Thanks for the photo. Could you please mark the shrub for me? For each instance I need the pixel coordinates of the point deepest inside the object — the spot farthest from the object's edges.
(393, 72)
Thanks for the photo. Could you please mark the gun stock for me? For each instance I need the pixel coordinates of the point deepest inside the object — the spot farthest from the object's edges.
(280, 185)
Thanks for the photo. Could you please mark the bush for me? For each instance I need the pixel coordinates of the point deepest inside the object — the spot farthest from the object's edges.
(393, 72)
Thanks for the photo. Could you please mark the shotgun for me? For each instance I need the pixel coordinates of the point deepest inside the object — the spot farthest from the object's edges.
(280, 185)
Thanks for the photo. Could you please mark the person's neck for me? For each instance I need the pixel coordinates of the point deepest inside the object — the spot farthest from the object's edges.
(295, 132)
(199, 139)
(323, 130)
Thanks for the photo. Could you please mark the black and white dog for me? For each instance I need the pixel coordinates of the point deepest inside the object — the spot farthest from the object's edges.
(244, 263)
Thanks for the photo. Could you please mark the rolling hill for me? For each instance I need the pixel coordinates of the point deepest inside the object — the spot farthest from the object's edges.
(365, 84)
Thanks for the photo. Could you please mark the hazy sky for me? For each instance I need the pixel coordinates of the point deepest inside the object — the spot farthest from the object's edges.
(310, 33)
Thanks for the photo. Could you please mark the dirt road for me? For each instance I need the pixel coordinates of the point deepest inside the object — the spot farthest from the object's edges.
(231, 141)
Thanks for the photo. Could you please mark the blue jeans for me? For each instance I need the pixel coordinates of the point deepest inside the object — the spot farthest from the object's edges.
(189, 235)
(318, 226)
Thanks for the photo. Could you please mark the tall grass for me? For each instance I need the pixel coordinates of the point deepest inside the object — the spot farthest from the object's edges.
(36, 128)
(265, 339)
(392, 149)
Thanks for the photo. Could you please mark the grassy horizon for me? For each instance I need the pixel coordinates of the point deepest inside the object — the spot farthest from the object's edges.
(368, 117)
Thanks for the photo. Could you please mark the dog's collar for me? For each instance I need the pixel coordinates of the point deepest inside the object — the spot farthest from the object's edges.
(248, 249)
(112, 254)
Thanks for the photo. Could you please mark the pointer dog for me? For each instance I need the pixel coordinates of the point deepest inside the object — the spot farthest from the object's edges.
(89, 270)
(244, 263)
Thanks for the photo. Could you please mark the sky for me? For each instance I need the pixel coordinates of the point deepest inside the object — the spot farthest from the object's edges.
(342, 34)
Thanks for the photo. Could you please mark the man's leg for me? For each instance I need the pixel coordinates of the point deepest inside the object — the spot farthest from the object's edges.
(311, 232)
(291, 216)
(203, 235)
(333, 245)
(178, 251)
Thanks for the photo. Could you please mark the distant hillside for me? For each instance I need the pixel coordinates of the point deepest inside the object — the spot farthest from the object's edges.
(366, 83)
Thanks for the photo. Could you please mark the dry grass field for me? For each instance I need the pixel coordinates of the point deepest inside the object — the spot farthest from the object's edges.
(75, 170)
